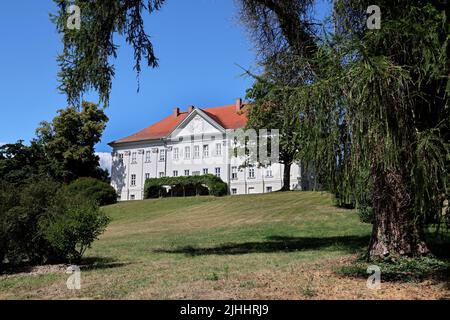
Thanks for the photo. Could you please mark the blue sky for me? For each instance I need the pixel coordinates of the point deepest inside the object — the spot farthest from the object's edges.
(199, 45)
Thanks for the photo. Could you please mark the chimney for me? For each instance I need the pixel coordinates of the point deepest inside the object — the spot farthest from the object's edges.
(238, 105)
(176, 112)
(191, 108)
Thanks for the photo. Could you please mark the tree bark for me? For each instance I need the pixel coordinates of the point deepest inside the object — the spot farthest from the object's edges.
(286, 177)
(395, 230)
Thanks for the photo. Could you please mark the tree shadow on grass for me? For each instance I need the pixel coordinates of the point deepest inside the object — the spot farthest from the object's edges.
(89, 263)
(99, 263)
(352, 244)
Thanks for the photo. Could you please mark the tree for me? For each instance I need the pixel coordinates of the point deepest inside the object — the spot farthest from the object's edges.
(85, 61)
(19, 162)
(376, 111)
(272, 108)
(284, 33)
(69, 142)
(391, 89)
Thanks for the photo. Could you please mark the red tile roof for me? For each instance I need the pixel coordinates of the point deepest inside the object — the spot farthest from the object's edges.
(226, 116)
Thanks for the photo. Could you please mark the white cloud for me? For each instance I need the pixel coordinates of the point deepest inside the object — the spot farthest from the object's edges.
(105, 160)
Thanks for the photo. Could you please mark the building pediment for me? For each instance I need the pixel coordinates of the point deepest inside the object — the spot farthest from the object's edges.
(195, 124)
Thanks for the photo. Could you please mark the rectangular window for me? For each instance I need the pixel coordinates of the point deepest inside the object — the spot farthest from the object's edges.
(234, 191)
(133, 157)
(251, 190)
(132, 197)
(121, 157)
(205, 151)
(205, 170)
(217, 172)
(218, 149)
(268, 189)
(161, 174)
(196, 152)
(269, 172)
(251, 173)
(187, 152)
(162, 155)
(175, 173)
(175, 154)
(148, 156)
(195, 173)
(133, 180)
(186, 173)
(234, 173)
(147, 176)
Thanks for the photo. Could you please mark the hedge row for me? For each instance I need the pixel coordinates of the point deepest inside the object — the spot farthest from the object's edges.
(185, 186)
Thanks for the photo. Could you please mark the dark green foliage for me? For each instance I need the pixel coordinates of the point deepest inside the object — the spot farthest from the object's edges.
(19, 162)
(185, 186)
(403, 270)
(365, 214)
(69, 142)
(73, 225)
(93, 189)
(31, 215)
(22, 209)
(85, 62)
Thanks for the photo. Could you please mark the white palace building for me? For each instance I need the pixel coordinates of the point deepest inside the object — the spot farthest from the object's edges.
(192, 142)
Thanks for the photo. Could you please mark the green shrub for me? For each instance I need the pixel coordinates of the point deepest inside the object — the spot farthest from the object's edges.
(22, 209)
(93, 189)
(41, 223)
(365, 214)
(185, 186)
(75, 224)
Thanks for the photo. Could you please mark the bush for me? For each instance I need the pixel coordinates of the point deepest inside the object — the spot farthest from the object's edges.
(41, 223)
(74, 226)
(93, 189)
(185, 186)
(22, 209)
(365, 214)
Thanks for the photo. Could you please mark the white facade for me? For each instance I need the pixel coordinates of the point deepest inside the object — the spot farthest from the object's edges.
(198, 145)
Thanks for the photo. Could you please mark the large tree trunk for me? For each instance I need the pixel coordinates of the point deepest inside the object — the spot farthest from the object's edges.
(286, 177)
(395, 230)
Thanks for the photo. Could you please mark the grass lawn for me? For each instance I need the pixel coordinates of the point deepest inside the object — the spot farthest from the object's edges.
(272, 246)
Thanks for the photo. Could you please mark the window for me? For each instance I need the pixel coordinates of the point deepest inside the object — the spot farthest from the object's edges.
(132, 197)
(161, 174)
(234, 173)
(186, 172)
(205, 170)
(251, 190)
(217, 172)
(175, 173)
(121, 157)
(148, 156)
(147, 176)
(162, 155)
(269, 172)
(251, 173)
(133, 180)
(268, 189)
(234, 191)
(187, 152)
(196, 152)
(175, 154)
(195, 173)
(205, 151)
(218, 149)
(133, 157)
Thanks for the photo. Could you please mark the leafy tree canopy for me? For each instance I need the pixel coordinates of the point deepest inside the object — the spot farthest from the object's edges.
(85, 62)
